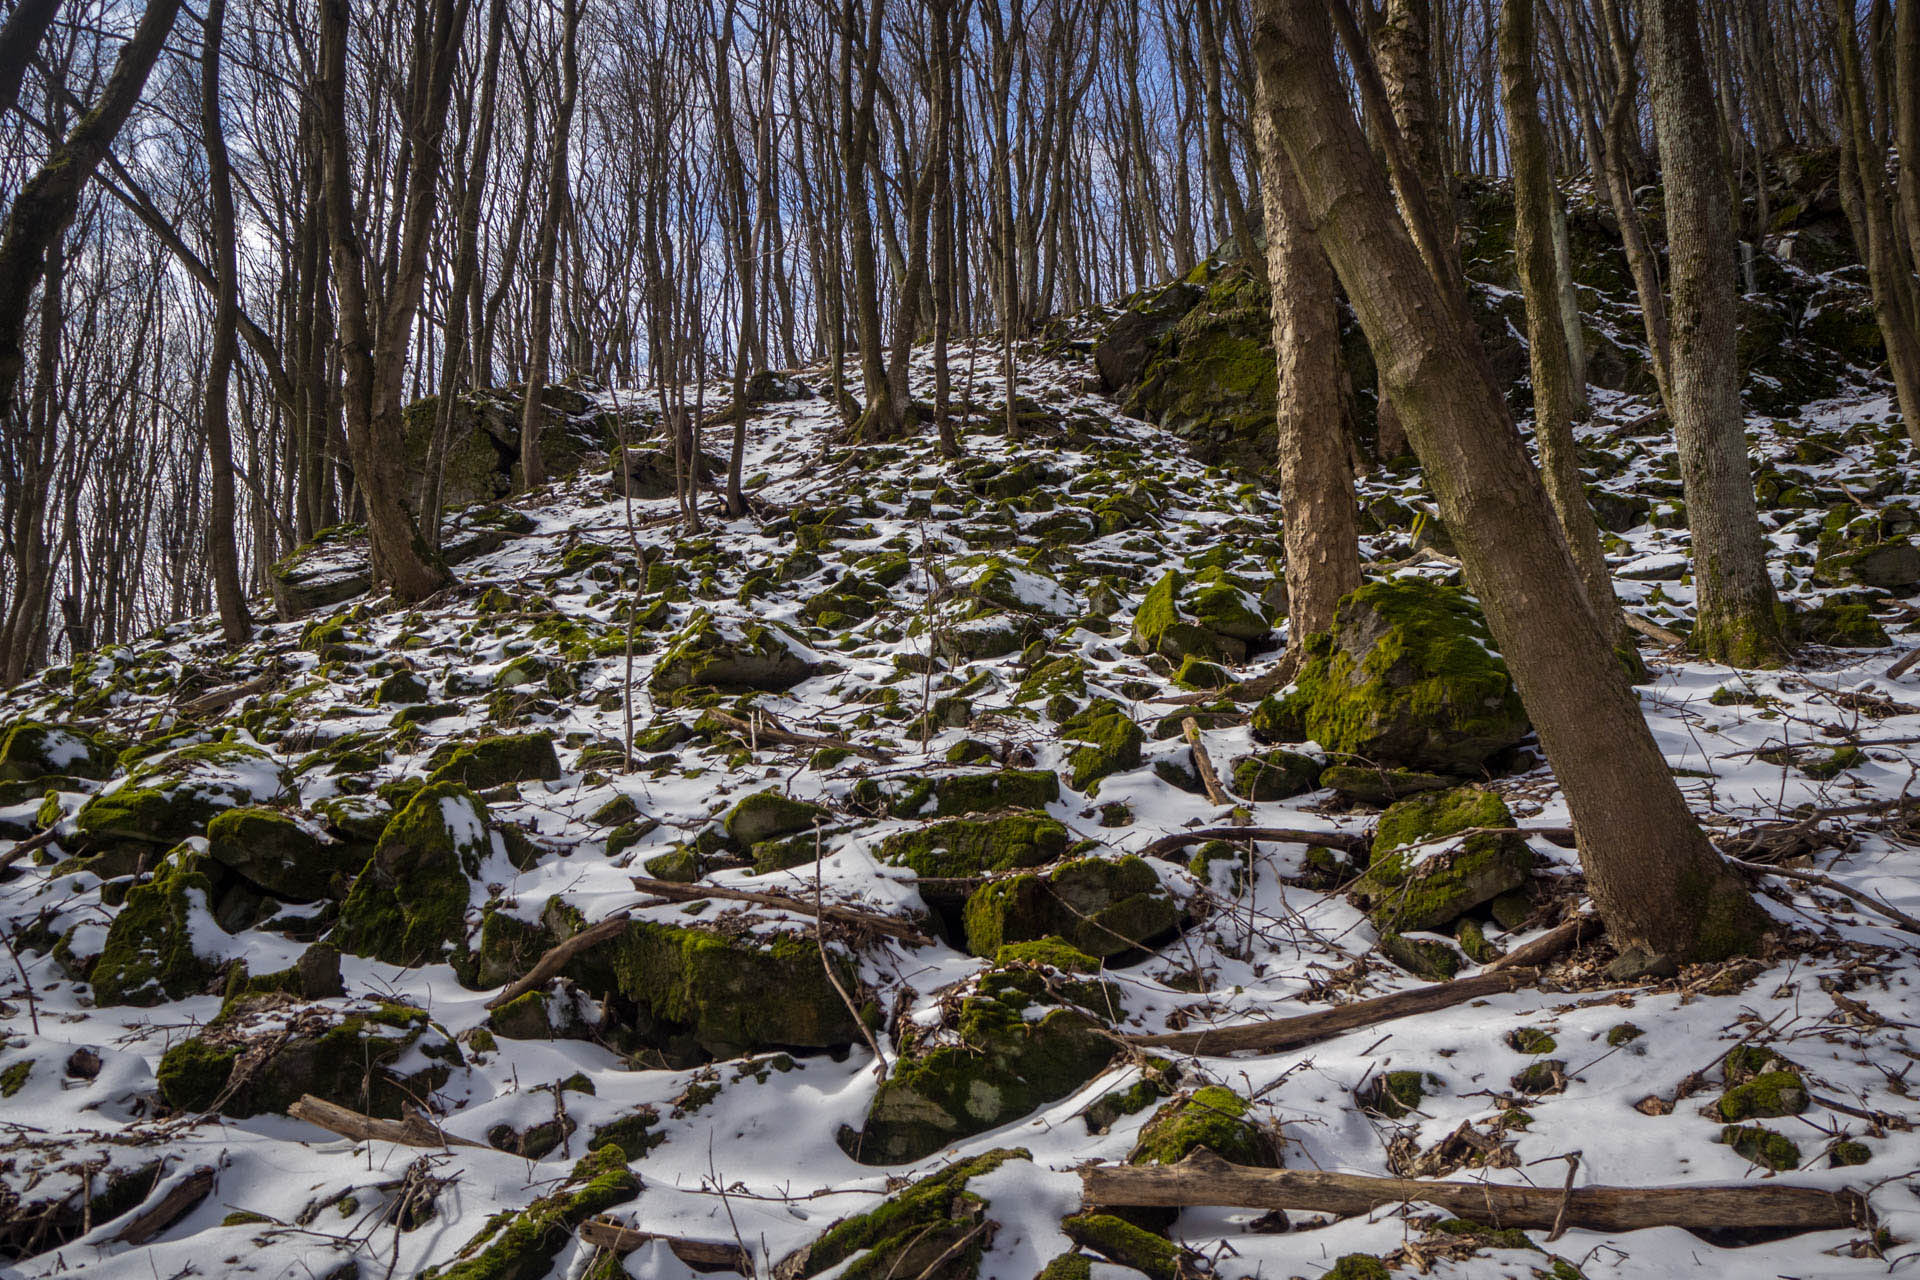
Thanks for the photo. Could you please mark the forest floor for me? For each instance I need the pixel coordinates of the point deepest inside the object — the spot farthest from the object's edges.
(744, 1150)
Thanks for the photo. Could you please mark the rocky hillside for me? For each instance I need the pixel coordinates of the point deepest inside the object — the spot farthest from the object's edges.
(814, 895)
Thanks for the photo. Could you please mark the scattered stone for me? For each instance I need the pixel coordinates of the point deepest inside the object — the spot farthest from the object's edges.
(1101, 907)
(1409, 889)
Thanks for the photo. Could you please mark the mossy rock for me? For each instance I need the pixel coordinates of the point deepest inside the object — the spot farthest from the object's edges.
(975, 846)
(409, 904)
(371, 1056)
(1110, 743)
(1767, 1095)
(280, 854)
(1162, 626)
(1762, 1146)
(174, 795)
(932, 1227)
(1839, 624)
(1275, 775)
(1407, 679)
(633, 1134)
(1893, 565)
(1371, 785)
(1357, 1266)
(1397, 1094)
(728, 995)
(958, 794)
(767, 815)
(1124, 1244)
(1212, 1117)
(984, 636)
(1099, 906)
(1407, 889)
(400, 689)
(495, 761)
(1424, 957)
(525, 1245)
(1068, 1266)
(31, 750)
(732, 658)
(150, 954)
(1015, 1044)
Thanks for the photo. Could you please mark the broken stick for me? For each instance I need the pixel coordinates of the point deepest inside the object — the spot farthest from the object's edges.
(556, 958)
(770, 730)
(1204, 763)
(414, 1131)
(1205, 1179)
(1288, 1033)
(702, 1255)
(1281, 835)
(892, 928)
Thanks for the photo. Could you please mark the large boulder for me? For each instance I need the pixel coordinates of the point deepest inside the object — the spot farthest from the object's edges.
(281, 854)
(975, 846)
(482, 451)
(1101, 906)
(371, 1056)
(1210, 619)
(31, 751)
(735, 658)
(171, 796)
(1012, 1040)
(701, 991)
(157, 945)
(1406, 678)
(1418, 879)
(409, 905)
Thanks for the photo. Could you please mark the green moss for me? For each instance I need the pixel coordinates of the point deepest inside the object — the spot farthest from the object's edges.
(31, 750)
(732, 995)
(1068, 1266)
(1212, 1117)
(769, 814)
(192, 1074)
(1112, 743)
(1848, 1153)
(1771, 1093)
(278, 854)
(632, 1134)
(1623, 1033)
(918, 1223)
(702, 654)
(1019, 1046)
(170, 797)
(1053, 952)
(495, 761)
(1428, 958)
(1531, 1040)
(1431, 885)
(1762, 1146)
(409, 905)
(14, 1078)
(973, 846)
(1481, 1234)
(958, 794)
(1101, 907)
(149, 956)
(1407, 678)
(1122, 1243)
(1358, 1266)
(1397, 1093)
(526, 1245)
(1275, 775)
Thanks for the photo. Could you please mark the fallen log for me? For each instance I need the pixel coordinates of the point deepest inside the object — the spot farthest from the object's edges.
(414, 1131)
(1205, 1179)
(1288, 1033)
(892, 928)
(1341, 840)
(24, 847)
(1562, 937)
(1652, 630)
(701, 1255)
(180, 1200)
(556, 958)
(220, 699)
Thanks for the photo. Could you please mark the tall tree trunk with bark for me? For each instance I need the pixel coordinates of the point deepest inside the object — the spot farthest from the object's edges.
(1316, 479)
(1554, 395)
(223, 559)
(1663, 891)
(1734, 618)
(533, 470)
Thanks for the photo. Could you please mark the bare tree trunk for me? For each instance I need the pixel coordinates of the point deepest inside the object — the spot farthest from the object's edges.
(1316, 480)
(44, 206)
(223, 559)
(1659, 885)
(1534, 201)
(533, 471)
(1734, 618)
